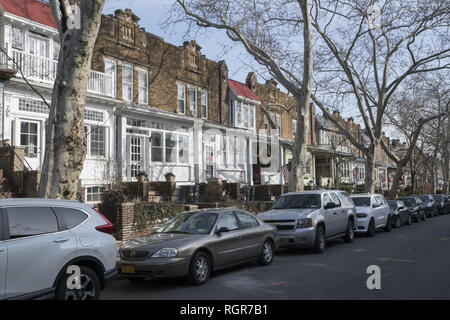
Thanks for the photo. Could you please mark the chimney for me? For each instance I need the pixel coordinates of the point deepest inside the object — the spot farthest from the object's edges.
(251, 81)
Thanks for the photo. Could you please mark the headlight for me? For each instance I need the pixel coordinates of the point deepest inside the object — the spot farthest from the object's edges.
(361, 215)
(165, 253)
(304, 223)
(429, 204)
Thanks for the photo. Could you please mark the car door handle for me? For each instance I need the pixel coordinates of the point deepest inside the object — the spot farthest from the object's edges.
(60, 240)
(1, 250)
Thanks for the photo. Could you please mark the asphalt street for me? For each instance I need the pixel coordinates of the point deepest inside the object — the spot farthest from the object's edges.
(414, 262)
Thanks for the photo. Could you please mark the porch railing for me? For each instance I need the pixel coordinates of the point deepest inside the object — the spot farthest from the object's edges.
(44, 70)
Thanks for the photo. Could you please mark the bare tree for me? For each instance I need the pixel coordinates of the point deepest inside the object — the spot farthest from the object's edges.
(78, 24)
(366, 54)
(278, 35)
(420, 102)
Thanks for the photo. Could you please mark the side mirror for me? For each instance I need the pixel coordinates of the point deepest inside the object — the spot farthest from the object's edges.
(375, 205)
(330, 205)
(222, 230)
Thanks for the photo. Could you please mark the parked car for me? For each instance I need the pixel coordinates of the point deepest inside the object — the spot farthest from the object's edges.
(196, 243)
(372, 213)
(41, 238)
(414, 205)
(446, 204)
(309, 219)
(400, 213)
(429, 205)
(439, 201)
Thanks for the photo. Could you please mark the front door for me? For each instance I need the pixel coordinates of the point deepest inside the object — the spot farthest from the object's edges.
(135, 156)
(30, 139)
(209, 161)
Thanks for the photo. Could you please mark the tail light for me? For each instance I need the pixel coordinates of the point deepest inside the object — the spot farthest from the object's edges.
(106, 228)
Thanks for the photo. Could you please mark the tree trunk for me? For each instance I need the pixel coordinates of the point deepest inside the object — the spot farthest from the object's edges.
(65, 138)
(302, 102)
(393, 193)
(370, 168)
(300, 156)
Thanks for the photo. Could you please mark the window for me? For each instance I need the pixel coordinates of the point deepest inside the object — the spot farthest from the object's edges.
(326, 199)
(127, 83)
(252, 117)
(181, 98)
(193, 101)
(245, 111)
(238, 113)
(246, 220)
(228, 221)
(17, 38)
(171, 145)
(183, 149)
(156, 140)
(110, 69)
(204, 104)
(299, 201)
(30, 221)
(73, 217)
(143, 87)
(335, 198)
(93, 194)
(56, 48)
(232, 112)
(29, 138)
(97, 141)
(31, 105)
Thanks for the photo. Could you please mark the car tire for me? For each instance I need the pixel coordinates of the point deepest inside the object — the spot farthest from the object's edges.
(319, 242)
(90, 286)
(398, 221)
(371, 230)
(199, 269)
(350, 232)
(409, 221)
(266, 257)
(388, 226)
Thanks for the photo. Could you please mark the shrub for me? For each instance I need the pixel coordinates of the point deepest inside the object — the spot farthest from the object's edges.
(211, 192)
(111, 205)
(154, 214)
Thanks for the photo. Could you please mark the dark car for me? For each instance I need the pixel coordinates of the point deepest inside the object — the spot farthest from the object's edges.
(414, 205)
(429, 205)
(400, 212)
(193, 244)
(440, 203)
(446, 204)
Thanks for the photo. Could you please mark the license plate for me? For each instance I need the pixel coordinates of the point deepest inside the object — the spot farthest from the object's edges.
(128, 269)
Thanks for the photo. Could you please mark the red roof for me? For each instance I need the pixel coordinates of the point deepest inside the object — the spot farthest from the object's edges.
(34, 10)
(242, 90)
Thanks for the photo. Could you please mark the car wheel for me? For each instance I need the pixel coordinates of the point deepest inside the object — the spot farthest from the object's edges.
(388, 226)
(136, 280)
(371, 230)
(89, 286)
(199, 269)
(319, 243)
(409, 221)
(266, 254)
(350, 232)
(398, 222)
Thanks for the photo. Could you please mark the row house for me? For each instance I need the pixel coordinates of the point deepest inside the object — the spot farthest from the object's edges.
(156, 108)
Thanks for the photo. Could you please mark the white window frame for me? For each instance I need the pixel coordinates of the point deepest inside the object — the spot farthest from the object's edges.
(99, 193)
(193, 104)
(89, 128)
(183, 87)
(14, 41)
(176, 148)
(204, 93)
(127, 66)
(143, 99)
(113, 75)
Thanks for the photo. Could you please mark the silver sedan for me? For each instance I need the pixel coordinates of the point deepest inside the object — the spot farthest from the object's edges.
(194, 244)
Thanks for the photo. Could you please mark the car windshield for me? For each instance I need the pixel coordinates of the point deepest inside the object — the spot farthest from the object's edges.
(298, 201)
(190, 222)
(410, 202)
(361, 201)
(425, 198)
(392, 204)
(439, 198)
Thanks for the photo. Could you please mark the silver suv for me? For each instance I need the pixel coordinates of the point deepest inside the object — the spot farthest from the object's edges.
(41, 238)
(308, 219)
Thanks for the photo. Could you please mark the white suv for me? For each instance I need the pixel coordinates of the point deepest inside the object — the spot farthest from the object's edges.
(372, 213)
(41, 238)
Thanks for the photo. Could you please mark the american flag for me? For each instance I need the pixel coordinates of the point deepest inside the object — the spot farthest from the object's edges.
(285, 171)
